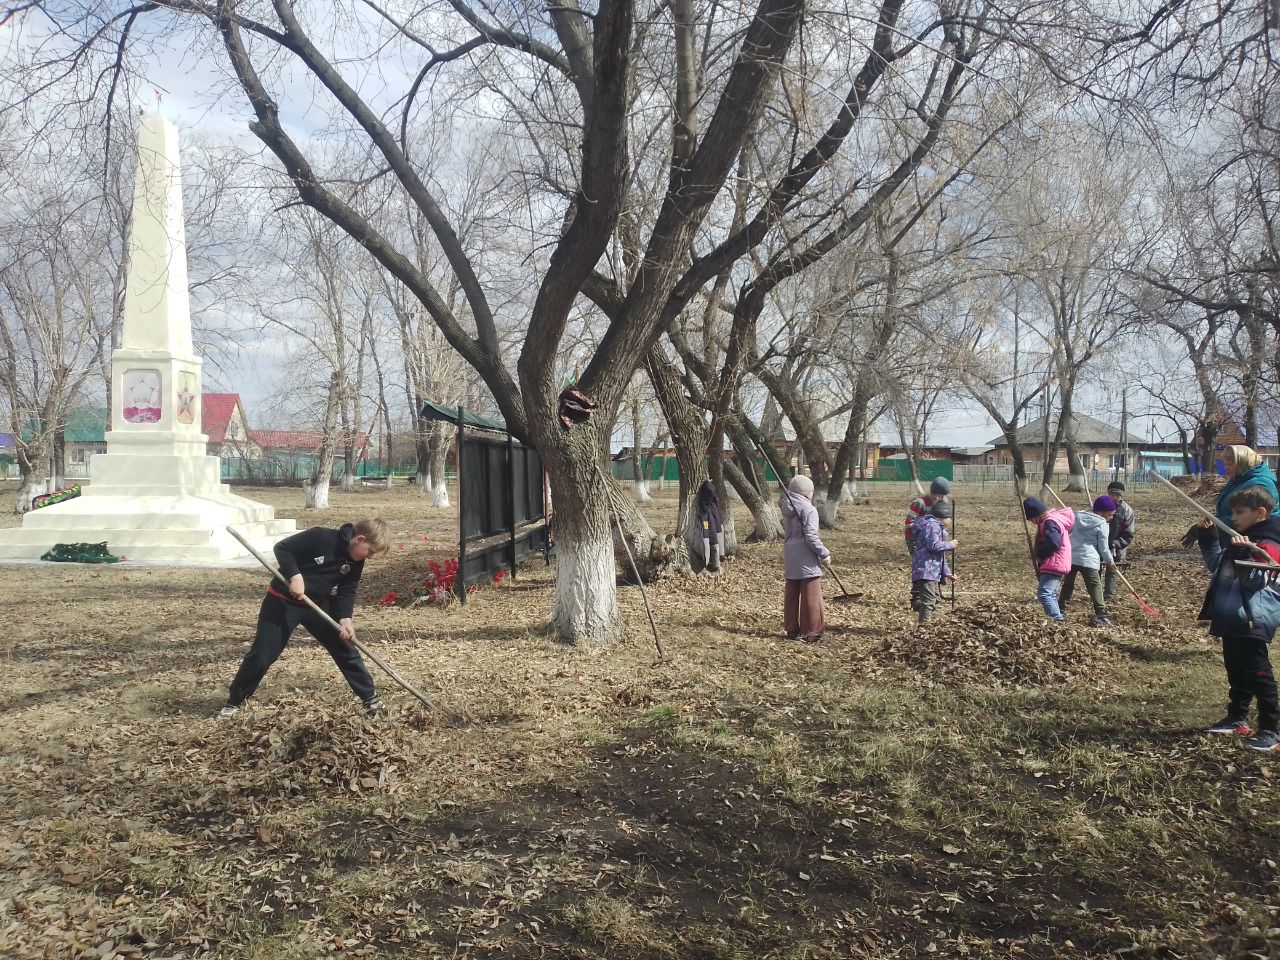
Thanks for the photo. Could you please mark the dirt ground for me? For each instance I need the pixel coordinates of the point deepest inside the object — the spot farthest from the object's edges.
(990, 786)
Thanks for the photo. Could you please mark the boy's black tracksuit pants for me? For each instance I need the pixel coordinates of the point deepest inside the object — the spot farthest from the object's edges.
(1249, 675)
(277, 619)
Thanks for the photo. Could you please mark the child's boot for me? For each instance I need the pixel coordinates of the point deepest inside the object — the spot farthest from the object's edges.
(1265, 740)
(1230, 725)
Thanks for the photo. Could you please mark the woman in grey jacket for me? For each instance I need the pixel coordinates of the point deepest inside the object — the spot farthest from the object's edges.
(803, 558)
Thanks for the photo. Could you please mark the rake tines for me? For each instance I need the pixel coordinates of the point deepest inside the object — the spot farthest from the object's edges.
(1147, 608)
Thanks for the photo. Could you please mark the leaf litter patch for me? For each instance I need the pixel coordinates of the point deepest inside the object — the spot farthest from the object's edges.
(299, 744)
(1005, 644)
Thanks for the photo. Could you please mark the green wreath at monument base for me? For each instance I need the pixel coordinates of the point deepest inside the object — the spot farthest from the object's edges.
(79, 553)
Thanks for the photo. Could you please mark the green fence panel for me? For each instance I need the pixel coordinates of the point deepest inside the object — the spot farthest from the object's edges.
(900, 470)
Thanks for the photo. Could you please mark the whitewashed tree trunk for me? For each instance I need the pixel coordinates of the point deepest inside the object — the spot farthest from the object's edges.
(32, 483)
(586, 604)
(438, 480)
(640, 484)
(316, 488)
(768, 520)
(828, 510)
(316, 491)
(424, 478)
(440, 492)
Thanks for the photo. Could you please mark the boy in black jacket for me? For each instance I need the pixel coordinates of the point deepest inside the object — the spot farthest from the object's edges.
(325, 565)
(1244, 643)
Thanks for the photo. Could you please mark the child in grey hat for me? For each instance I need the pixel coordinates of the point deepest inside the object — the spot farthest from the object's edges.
(939, 489)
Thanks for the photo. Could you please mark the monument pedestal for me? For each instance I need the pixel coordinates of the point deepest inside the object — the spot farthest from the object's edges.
(155, 496)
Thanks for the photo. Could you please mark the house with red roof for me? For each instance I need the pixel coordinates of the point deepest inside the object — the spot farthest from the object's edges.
(299, 449)
(223, 421)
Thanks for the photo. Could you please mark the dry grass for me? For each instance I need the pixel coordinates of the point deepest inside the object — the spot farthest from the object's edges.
(989, 787)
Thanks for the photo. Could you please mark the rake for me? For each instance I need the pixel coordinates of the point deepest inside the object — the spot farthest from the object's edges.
(1149, 610)
(845, 595)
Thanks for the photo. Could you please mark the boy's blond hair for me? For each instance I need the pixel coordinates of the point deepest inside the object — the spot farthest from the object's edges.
(1242, 457)
(374, 530)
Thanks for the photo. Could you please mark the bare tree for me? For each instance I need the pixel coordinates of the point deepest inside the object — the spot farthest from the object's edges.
(59, 242)
(563, 86)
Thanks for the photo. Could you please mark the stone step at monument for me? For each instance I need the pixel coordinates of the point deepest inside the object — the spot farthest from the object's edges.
(159, 546)
(148, 513)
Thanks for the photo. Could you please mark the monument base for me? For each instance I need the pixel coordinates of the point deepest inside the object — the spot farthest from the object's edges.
(172, 527)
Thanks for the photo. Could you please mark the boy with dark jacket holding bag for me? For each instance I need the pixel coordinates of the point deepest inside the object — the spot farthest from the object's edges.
(1227, 607)
(1123, 523)
(325, 565)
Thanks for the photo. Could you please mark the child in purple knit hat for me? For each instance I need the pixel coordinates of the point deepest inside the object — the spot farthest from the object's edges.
(1090, 552)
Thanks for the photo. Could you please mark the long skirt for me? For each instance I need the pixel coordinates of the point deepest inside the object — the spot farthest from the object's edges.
(802, 608)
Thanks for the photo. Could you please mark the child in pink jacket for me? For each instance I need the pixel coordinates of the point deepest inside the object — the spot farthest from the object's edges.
(1052, 551)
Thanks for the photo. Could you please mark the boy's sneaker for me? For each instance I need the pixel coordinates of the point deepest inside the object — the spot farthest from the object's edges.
(1264, 740)
(1102, 620)
(1229, 725)
(375, 705)
(230, 710)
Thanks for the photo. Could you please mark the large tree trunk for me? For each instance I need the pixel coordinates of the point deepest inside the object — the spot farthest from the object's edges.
(693, 472)
(765, 513)
(586, 600)
(750, 484)
(316, 488)
(715, 470)
(431, 445)
(349, 469)
(689, 437)
(422, 450)
(640, 483)
(33, 474)
(1019, 462)
(439, 479)
(1078, 482)
(1186, 452)
(590, 552)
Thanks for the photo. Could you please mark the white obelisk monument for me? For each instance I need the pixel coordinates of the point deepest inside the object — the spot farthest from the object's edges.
(155, 496)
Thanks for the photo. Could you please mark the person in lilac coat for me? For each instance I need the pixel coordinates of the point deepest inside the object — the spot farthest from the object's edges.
(803, 558)
(929, 567)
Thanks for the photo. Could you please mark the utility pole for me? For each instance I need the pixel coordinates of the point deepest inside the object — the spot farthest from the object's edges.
(1124, 436)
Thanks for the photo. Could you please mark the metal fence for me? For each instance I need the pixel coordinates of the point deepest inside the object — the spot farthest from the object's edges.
(983, 475)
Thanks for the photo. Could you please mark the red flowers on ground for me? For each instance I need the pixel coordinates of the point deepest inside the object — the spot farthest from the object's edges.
(437, 585)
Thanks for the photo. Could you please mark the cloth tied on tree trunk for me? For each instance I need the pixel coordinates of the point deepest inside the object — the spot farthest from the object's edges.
(712, 525)
(575, 407)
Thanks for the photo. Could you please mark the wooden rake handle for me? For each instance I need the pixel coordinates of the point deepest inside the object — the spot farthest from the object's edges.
(839, 582)
(405, 684)
(1216, 522)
